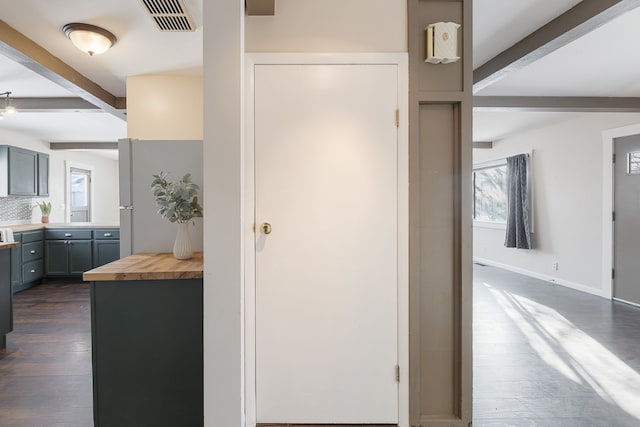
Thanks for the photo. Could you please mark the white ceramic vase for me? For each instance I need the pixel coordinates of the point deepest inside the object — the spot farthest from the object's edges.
(182, 247)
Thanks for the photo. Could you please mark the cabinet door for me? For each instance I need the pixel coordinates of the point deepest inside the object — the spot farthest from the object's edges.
(16, 265)
(23, 172)
(31, 271)
(80, 256)
(6, 319)
(105, 251)
(43, 174)
(56, 257)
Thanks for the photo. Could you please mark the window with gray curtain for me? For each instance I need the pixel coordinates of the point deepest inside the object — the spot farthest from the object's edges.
(518, 233)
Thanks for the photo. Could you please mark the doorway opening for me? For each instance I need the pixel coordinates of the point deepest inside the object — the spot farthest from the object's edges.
(79, 193)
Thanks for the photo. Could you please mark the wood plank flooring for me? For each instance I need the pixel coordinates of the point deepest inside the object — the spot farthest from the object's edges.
(45, 371)
(546, 355)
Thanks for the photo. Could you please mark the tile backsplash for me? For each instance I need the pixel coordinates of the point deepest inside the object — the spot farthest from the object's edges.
(15, 209)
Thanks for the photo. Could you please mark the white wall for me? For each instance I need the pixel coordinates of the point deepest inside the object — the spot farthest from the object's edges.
(330, 26)
(567, 201)
(105, 179)
(301, 26)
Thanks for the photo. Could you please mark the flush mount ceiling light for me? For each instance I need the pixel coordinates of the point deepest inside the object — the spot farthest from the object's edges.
(89, 38)
(9, 109)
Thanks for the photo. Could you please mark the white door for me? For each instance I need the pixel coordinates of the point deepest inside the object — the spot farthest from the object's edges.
(80, 191)
(326, 274)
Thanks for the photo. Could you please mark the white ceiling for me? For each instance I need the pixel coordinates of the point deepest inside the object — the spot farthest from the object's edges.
(141, 49)
(499, 24)
(603, 63)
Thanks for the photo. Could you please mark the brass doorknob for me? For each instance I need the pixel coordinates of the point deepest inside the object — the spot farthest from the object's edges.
(266, 228)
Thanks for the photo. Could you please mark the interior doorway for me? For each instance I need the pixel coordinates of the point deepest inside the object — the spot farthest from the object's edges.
(79, 193)
(626, 222)
(326, 271)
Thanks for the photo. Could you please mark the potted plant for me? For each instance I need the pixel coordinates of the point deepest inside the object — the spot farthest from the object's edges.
(178, 202)
(45, 210)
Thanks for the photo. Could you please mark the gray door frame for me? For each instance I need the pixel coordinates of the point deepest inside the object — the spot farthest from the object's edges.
(608, 139)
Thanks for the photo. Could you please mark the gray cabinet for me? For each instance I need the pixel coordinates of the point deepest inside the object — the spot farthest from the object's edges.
(16, 265)
(27, 260)
(67, 252)
(6, 297)
(106, 246)
(147, 353)
(43, 174)
(23, 172)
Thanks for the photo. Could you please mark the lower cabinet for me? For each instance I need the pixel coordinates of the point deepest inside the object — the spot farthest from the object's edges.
(60, 252)
(6, 316)
(106, 246)
(67, 257)
(147, 353)
(27, 260)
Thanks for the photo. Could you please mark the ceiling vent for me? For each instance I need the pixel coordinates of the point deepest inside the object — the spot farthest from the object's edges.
(169, 15)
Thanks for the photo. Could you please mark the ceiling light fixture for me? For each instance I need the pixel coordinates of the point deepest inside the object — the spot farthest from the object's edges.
(9, 108)
(89, 38)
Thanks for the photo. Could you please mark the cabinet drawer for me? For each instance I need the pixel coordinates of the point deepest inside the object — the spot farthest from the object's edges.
(67, 234)
(32, 251)
(32, 236)
(32, 271)
(106, 234)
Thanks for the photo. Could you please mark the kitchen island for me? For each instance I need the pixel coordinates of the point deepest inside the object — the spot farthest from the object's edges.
(6, 293)
(146, 330)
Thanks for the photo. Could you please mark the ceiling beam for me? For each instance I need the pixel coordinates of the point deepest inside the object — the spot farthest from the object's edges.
(15, 46)
(54, 105)
(83, 145)
(485, 145)
(583, 18)
(260, 7)
(556, 104)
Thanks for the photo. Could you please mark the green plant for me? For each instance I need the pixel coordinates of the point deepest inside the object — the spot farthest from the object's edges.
(177, 201)
(45, 208)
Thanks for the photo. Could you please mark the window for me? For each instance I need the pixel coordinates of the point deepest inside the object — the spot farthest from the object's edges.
(490, 194)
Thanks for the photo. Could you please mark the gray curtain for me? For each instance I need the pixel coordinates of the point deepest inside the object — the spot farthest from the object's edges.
(519, 210)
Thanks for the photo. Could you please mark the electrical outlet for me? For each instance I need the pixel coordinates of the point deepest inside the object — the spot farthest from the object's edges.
(555, 266)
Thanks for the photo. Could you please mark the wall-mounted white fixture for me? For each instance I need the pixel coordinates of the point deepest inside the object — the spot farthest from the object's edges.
(89, 38)
(442, 43)
(9, 108)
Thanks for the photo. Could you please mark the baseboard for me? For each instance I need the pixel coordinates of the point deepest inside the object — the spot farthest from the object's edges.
(555, 280)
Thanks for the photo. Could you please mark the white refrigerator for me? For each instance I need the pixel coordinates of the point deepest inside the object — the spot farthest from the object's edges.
(141, 228)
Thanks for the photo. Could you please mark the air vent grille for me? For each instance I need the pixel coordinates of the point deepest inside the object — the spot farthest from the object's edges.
(169, 15)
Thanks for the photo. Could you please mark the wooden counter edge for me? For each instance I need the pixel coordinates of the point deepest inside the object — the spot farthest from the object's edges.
(9, 245)
(148, 266)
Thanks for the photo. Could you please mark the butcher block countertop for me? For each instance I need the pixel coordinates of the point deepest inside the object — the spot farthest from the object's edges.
(148, 266)
(5, 245)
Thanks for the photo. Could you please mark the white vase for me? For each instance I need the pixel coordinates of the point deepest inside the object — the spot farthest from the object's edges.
(182, 247)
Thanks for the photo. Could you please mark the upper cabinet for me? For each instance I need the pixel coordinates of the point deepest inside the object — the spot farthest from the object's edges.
(23, 172)
(43, 174)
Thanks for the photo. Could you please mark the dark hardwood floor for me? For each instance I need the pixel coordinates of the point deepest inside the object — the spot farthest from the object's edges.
(45, 371)
(544, 355)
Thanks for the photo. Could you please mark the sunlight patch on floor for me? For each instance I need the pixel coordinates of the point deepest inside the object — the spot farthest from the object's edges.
(573, 353)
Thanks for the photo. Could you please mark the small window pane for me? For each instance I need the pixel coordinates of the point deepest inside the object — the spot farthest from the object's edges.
(634, 162)
(78, 190)
(490, 194)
